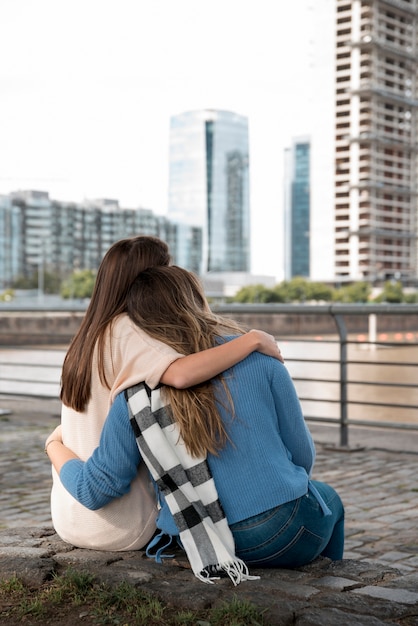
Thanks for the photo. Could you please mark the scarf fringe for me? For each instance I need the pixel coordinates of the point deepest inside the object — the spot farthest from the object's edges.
(236, 570)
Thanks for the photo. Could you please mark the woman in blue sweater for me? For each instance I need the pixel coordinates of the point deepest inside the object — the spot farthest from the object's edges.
(248, 423)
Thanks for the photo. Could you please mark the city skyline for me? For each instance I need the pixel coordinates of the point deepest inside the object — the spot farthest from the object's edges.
(88, 89)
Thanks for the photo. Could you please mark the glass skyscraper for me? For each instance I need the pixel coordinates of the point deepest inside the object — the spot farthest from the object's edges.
(208, 185)
(297, 210)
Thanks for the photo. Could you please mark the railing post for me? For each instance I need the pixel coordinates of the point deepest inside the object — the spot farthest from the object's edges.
(372, 330)
(342, 332)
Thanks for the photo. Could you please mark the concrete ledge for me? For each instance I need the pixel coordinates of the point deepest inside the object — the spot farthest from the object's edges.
(24, 328)
(321, 594)
(38, 328)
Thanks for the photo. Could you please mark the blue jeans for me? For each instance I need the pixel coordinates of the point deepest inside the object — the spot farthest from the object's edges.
(293, 534)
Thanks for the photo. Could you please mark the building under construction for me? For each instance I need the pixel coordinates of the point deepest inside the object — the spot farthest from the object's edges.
(376, 140)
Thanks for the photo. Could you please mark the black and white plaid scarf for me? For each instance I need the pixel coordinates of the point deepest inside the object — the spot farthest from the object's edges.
(188, 487)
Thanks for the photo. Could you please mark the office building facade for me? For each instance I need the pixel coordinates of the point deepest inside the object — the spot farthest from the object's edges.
(40, 235)
(209, 185)
(376, 140)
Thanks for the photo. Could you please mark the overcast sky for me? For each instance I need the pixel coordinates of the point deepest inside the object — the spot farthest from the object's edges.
(87, 88)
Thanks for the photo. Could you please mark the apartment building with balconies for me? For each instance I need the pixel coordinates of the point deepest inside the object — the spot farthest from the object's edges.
(376, 140)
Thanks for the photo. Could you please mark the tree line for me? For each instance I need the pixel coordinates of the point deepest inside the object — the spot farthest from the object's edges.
(79, 285)
(300, 289)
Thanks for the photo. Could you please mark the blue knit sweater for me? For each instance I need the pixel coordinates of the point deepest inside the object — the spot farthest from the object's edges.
(268, 462)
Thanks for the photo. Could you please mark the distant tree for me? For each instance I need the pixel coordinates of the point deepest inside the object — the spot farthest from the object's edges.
(79, 285)
(26, 282)
(50, 282)
(355, 292)
(411, 298)
(278, 294)
(299, 289)
(320, 291)
(254, 294)
(296, 289)
(274, 295)
(392, 292)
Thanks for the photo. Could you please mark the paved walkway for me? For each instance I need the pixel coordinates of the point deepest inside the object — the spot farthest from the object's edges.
(378, 482)
(374, 585)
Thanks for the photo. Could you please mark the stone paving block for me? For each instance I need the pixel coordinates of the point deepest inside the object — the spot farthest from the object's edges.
(351, 545)
(405, 524)
(391, 557)
(398, 507)
(334, 617)
(403, 567)
(336, 582)
(388, 520)
(351, 554)
(33, 571)
(82, 556)
(406, 581)
(400, 596)
(366, 521)
(294, 590)
(23, 552)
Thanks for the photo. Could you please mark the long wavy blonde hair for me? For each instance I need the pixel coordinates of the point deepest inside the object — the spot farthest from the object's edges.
(169, 304)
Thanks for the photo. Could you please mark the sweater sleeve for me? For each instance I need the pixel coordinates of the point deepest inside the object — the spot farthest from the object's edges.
(109, 471)
(293, 429)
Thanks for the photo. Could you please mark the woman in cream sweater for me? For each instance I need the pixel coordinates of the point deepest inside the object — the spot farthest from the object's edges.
(108, 354)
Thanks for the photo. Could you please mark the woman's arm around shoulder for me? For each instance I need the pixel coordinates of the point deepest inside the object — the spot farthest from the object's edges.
(196, 368)
(137, 357)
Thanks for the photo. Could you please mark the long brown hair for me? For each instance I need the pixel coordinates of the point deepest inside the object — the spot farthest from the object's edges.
(119, 267)
(169, 304)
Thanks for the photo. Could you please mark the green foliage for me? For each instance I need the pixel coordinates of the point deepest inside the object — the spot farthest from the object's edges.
(237, 613)
(392, 292)
(411, 298)
(298, 289)
(76, 594)
(74, 586)
(321, 292)
(50, 282)
(355, 292)
(256, 293)
(11, 586)
(79, 285)
(7, 295)
(26, 282)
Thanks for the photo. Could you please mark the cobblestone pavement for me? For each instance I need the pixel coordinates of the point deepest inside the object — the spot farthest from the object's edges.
(379, 487)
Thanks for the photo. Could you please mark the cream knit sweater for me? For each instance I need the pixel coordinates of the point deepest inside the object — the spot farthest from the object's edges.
(126, 523)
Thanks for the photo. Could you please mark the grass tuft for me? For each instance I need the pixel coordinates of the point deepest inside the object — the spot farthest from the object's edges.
(237, 613)
(77, 596)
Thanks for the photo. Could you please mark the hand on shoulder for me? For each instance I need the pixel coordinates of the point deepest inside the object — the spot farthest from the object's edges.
(267, 344)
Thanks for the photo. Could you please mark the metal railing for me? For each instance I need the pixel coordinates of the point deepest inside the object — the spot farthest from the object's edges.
(401, 382)
(339, 375)
(33, 372)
